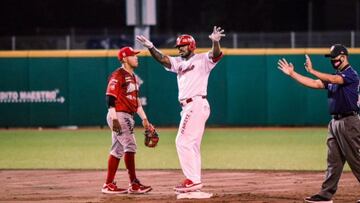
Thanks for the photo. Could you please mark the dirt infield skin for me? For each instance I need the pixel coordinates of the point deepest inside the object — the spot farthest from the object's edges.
(227, 186)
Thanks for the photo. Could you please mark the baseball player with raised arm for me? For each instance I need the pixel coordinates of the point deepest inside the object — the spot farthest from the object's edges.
(192, 71)
(123, 102)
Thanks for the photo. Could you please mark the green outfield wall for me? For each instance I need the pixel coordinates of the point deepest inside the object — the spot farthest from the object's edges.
(61, 88)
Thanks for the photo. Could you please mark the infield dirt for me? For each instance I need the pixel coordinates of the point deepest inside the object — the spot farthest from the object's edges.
(227, 186)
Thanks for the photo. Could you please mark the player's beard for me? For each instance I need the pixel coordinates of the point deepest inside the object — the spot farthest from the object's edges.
(185, 54)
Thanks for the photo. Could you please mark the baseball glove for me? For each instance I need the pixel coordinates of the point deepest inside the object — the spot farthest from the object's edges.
(151, 137)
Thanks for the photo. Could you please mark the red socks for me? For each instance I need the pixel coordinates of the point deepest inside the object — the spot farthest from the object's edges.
(113, 164)
(129, 159)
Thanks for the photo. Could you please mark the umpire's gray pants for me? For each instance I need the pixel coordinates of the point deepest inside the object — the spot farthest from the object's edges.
(343, 145)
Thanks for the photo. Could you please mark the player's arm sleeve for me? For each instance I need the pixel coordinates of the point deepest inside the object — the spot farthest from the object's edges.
(110, 101)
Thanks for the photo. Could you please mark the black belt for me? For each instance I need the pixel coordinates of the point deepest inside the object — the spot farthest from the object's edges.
(186, 101)
(343, 115)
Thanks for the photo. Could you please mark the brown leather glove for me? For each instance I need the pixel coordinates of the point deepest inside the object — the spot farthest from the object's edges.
(151, 137)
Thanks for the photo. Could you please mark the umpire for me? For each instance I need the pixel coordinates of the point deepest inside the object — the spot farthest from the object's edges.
(344, 128)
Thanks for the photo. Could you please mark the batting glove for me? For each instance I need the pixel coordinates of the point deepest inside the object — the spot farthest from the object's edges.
(144, 41)
(217, 34)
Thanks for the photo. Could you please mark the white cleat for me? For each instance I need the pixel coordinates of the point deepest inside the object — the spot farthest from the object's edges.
(188, 186)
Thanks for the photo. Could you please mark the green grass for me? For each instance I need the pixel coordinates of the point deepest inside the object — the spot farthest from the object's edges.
(227, 148)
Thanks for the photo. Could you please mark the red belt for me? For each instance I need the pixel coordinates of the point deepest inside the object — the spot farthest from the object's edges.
(184, 102)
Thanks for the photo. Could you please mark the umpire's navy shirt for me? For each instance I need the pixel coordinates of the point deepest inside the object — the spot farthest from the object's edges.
(343, 98)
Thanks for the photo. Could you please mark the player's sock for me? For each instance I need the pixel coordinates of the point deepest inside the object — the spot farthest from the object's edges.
(113, 164)
(129, 159)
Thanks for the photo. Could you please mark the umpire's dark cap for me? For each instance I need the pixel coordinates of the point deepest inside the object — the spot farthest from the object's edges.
(336, 50)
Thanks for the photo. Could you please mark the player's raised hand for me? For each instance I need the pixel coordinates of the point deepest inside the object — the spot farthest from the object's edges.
(217, 34)
(285, 67)
(144, 41)
(308, 64)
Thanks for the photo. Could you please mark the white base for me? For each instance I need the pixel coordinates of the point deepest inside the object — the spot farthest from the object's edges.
(194, 195)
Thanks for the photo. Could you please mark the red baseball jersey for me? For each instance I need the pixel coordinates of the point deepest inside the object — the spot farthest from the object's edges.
(122, 85)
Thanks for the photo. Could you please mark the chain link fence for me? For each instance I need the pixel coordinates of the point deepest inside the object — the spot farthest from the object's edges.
(110, 40)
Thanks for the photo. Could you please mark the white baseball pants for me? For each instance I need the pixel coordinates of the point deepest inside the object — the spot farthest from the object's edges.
(188, 140)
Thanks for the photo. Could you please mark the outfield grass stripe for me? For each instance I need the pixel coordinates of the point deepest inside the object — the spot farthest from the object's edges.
(225, 148)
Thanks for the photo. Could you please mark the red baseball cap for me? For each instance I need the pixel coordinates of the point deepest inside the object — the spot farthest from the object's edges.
(126, 51)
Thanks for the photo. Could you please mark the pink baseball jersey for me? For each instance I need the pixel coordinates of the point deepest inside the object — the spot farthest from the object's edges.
(192, 74)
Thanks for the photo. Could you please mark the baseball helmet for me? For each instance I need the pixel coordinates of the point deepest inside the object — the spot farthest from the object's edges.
(186, 40)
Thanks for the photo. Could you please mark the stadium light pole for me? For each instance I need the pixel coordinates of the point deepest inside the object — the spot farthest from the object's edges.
(141, 14)
(357, 15)
(310, 22)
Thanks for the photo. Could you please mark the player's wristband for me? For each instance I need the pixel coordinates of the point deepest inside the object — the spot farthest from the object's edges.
(112, 113)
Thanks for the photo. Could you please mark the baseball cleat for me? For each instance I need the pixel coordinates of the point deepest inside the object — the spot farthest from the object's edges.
(188, 186)
(111, 188)
(137, 188)
(317, 199)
